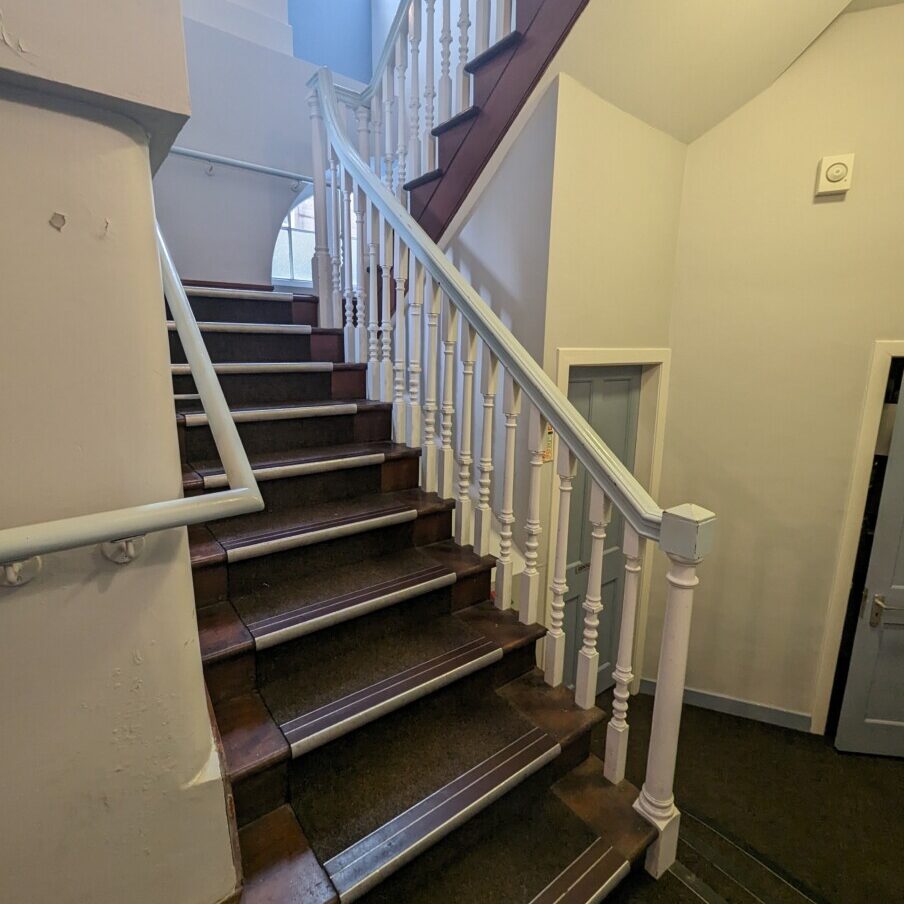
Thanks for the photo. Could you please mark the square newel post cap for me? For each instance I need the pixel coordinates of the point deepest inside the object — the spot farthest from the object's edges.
(687, 532)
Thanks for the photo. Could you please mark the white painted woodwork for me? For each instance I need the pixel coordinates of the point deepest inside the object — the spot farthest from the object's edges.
(553, 667)
(617, 731)
(482, 26)
(362, 287)
(321, 266)
(445, 64)
(511, 405)
(401, 70)
(429, 142)
(415, 335)
(348, 289)
(483, 514)
(503, 18)
(414, 94)
(464, 504)
(386, 313)
(589, 657)
(376, 129)
(529, 579)
(373, 313)
(399, 408)
(462, 79)
(446, 453)
(429, 449)
(388, 132)
(335, 240)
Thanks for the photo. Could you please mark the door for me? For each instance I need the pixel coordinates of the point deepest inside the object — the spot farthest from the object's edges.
(609, 398)
(872, 713)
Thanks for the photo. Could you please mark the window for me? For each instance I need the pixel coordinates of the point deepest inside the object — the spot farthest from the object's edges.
(294, 249)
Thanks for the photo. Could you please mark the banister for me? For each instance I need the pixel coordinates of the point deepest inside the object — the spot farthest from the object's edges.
(616, 480)
(219, 159)
(21, 543)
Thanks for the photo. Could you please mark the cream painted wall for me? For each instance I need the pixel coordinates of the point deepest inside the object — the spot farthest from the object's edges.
(778, 301)
(111, 786)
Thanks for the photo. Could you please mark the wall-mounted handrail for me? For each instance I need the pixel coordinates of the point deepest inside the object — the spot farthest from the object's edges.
(620, 485)
(20, 543)
(241, 164)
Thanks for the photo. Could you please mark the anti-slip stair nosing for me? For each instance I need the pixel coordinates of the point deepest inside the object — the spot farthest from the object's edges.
(237, 367)
(315, 618)
(343, 527)
(336, 706)
(217, 326)
(588, 878)
(367, 709)
(446, 817)
(286, 413)
(301, 469)
(237, 294)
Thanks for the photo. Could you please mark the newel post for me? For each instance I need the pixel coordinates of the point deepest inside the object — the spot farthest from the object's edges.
(321, 264)
(686, 537)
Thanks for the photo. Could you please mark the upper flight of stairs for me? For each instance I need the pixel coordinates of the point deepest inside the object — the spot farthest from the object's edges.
(502, 79)
(384, 731)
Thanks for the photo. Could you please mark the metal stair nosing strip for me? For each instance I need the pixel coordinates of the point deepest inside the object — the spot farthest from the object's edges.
(218, 326)
(264, 367)
(237, 294)
(301, 469)
(285, 413)
(293, 538)
(362, 866)
(332, 720)
(272, 631)
(588, 878)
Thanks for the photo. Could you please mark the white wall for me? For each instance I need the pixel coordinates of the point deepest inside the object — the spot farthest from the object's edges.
(778, 300)
(249, 103)
(264, 23)
(111, 788)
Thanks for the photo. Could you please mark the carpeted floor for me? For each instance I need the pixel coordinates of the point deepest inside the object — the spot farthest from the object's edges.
(832, 823)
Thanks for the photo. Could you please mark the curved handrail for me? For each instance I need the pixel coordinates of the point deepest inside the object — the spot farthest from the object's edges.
(20, 543)
(621, 486)
(363, 97)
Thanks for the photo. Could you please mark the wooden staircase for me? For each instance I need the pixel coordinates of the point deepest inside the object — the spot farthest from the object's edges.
(385, 732)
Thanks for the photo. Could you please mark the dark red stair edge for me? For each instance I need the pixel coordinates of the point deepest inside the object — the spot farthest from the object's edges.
(513, 37)
(456, 120)
(423, 180)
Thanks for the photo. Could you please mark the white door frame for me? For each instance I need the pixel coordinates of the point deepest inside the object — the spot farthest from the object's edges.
(647, 466)
(852, 522)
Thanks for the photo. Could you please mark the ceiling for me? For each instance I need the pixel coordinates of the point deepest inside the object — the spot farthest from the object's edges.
(683, 67)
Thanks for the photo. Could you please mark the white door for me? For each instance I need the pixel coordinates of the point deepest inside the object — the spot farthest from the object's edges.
(872, 713)
(609, 398)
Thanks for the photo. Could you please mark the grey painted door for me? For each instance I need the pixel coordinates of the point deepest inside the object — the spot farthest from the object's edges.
(609, 398)
(872, 714)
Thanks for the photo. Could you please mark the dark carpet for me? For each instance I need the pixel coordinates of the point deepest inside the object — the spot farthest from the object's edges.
(830, 823)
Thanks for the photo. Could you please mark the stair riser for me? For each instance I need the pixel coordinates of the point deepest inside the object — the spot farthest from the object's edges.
(311, 489)
(248, 347)
(248, 575)
(367, 426)
(259, 794)
(249, 390)
(235, 310)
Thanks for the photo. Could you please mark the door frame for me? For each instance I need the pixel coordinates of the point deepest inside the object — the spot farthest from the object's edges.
(647, 465)
(874, 398)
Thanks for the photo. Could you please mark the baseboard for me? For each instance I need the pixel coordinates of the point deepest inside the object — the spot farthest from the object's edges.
(784, 718)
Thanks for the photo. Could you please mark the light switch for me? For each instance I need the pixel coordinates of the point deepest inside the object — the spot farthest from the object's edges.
(834, 176)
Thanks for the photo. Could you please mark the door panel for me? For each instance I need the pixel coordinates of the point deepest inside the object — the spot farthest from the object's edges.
(872, 714)
(609, 398)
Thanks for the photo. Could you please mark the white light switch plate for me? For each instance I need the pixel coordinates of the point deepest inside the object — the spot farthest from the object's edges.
(834, 176)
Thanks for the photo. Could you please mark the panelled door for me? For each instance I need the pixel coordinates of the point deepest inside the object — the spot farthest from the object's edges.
(872, 714)
(609, 398)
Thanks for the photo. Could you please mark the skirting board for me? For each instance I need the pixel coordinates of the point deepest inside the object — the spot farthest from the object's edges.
(784, 718)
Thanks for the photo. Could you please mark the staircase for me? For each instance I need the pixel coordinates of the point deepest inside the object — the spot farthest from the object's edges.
(369, 695)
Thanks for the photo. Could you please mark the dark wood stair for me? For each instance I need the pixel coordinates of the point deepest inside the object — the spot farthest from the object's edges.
(370, 698)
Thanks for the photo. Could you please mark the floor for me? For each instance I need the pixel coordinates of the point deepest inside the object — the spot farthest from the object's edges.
(772, 815)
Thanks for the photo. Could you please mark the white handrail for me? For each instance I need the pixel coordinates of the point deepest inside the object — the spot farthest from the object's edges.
(619, 484)
(20, 543)
(240, 164)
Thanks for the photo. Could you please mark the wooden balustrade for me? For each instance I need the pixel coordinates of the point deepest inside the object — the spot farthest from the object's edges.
(417, 330)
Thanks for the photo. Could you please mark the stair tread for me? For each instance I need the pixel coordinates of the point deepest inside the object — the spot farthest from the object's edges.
(314, 686)
(230, 326)
(246, 368)
(251, 739)
(311, 454)
(284, 411)
(508, 854)
(503, 44)
(361, 580)
(238, 294)
(279, 864)
(456, 120)
(261, 526)
(357, 786)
